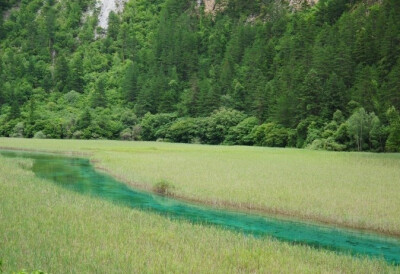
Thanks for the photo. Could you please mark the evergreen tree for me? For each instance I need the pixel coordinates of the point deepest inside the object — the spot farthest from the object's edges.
(311, 95)
(61, 73)
(130, 84)
(391, 93)
(99, 95)
(75, 77)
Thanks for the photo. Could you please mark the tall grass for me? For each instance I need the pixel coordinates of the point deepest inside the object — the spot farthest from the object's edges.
(359, 190)
(46, 227)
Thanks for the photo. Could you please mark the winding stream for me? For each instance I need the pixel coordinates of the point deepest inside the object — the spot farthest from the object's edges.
(79, 175)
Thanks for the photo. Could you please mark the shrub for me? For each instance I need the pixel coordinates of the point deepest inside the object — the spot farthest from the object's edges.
(240, 134)
(163, 187)
(18, 130)
(271, 135)
(218, 124)
(326, 144)
(342, 135)
(77, 135)
(136, 132)
(39, 135)
(184, 130)
(313, 133)
(126, 134)
(130, 134)
(301, 132)
(129, 118)
(154, 126)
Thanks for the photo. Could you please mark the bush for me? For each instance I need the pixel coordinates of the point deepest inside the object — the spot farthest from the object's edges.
(129, 118)
(154, 126)
(218, 124)
(301, 132)
(39, 135)
(126, 134)
(313, 133)
(18, 130)
(77, 135)
(240, 134)
(130, 134)
(326, 144)
(271, 135)
(163, 187)
(184, 130)
(342, 135)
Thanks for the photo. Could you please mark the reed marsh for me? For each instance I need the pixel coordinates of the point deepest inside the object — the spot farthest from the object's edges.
(360, 190)
(46, 227)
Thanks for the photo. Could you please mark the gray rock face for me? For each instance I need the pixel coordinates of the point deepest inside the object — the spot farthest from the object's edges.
(106, 6)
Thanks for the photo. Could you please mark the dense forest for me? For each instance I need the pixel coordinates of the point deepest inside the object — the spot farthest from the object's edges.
(260, 72)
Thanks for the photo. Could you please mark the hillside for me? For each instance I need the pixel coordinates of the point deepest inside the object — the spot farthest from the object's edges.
(324, 75)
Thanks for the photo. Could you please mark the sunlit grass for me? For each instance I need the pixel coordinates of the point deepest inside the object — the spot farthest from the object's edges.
(351, 189)
(46, 227)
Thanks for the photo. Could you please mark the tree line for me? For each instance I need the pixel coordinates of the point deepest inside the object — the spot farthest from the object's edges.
(254, 73)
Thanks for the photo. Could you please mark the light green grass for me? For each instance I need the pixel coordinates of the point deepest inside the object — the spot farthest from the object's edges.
(359, 190)
(49, 228)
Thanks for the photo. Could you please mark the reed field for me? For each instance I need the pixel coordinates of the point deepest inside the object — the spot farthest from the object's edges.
(360, 190)
(45, 227)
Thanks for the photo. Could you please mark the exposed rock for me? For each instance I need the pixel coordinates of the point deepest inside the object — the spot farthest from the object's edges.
(209, 6)
(297, 4)
(106, 6)
(212, 6)
(7, 13)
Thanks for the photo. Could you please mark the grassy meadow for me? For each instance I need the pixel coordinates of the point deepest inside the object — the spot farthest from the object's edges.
(360, 190)
(45, 227)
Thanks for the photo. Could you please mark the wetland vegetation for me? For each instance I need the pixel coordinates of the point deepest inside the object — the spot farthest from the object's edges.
(248, 253)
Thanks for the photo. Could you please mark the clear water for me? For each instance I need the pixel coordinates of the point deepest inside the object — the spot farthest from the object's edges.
(78, 175)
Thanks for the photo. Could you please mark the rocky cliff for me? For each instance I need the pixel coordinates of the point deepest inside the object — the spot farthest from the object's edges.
(106, 6)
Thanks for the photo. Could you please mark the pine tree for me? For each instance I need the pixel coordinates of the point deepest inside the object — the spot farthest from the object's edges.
(311, 95)
(334, 95)
(61, 73)
(75, 78)
(391, 93)
(130, 86)
(99, 96)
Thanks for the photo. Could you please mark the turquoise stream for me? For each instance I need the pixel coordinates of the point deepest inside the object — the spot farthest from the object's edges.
(79, 175)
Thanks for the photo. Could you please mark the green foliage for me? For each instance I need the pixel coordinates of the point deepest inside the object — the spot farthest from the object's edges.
(164, 187)
(99, 95)
(365, 129)
(326, 144)
(18, 131)
(219, 122)
(155, 125)
(259, 59)
(240, 134)
(393, 141)
(270, 135)
(39, 135)
(185, 130)
(131, 134)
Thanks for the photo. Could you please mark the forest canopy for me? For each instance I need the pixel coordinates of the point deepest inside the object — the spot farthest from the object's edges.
(261, 73)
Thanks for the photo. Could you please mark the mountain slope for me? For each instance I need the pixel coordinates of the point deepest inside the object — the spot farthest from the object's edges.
(289, 70)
